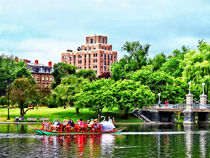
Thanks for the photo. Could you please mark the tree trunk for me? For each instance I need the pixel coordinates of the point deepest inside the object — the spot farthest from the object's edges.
(126, 112)
(77, 110)
(21, 110)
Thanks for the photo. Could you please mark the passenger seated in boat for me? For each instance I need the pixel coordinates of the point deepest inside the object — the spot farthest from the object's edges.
(58, 122)
(81, 123)
(55, 124)
(91, 123)
(72, 123)
(64, 123)
(69, 122)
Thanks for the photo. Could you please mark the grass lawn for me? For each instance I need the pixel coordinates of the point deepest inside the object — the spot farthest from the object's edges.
(61, 113)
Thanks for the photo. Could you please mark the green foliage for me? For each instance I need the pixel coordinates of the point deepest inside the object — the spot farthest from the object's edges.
(172, 66)
(157, 61)
(89, 74)
(172, 89)
(65, 93)
(196, 67)
(131, 94)
(3, 100)
(135, 58)
(10, 70)
(61, 70)
(23, 92)
(96, 95)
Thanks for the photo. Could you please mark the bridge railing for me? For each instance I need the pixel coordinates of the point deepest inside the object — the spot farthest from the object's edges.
(198, 106)
(176, 106)
(171, 106)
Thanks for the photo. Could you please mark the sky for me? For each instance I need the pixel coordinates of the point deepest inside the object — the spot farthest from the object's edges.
(43, 29)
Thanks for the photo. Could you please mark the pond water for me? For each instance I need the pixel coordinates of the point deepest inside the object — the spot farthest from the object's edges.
(136, 141)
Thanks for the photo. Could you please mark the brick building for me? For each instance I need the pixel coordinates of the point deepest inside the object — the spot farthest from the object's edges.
(41, 73)
(96, 54)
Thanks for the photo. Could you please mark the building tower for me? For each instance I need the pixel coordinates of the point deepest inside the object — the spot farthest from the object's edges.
(96, 54)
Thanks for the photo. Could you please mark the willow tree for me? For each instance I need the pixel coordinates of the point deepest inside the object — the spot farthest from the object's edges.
(23, 92)
(196, 66)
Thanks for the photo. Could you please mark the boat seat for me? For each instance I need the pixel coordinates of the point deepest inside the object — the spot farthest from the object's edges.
(68, 128)
(76, 128)
(60, 128)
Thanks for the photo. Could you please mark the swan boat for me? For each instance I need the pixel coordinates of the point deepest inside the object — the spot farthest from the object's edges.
(105, 127)
(44, 132)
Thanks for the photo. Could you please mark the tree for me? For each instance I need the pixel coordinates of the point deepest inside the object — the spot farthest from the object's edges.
(118, 71)
(157, 61)
(172, 89)
(89, 74)
(23, 92)
(136, 55)
(61, 70)
(135, 58)
(96, 95)
(105, 75)
(44, 94)
(65, 93)
(173, 65)
(10, 70)
(131, 94)
(196, 66)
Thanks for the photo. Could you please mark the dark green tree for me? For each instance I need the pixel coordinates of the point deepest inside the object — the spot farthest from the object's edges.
(61, 70)
(89, 74)
(23, 92)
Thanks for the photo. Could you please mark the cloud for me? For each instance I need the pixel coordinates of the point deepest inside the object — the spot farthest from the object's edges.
(44, 49)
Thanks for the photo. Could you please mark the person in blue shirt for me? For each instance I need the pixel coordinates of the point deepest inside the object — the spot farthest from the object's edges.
(69, 122)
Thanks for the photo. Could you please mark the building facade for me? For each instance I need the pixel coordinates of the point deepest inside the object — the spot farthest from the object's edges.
(41, 73)
(96, 54)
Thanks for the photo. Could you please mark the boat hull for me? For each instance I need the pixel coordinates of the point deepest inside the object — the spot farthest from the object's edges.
(42, 132)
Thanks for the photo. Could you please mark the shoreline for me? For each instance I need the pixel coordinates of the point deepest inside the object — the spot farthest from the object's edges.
(119, 123)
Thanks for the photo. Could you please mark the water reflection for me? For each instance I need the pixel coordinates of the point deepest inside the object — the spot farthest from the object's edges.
(80, 145)
(144, 141)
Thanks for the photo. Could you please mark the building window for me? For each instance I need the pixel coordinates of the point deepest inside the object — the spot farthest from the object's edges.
(94, 66)
(89, 67)
(43, 78)
(95, 55)
(103, 40)
(89, 48)
(79, 56)
(85, 49)
(37, 78)
(95, 60)
(91, 40)
(51, 78)
(47, 78)
(79, 61)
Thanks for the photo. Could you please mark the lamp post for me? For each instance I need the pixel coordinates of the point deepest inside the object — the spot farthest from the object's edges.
(189, 86)
(8, 91)
(159, 98)
(203, 84)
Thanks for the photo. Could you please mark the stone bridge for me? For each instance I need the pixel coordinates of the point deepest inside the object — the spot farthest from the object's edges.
(165, 113)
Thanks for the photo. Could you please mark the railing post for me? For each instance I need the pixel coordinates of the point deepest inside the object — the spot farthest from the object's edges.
(188, 113)
(203, 116)
(203, 99)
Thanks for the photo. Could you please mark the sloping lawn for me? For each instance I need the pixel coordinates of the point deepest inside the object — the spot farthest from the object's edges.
(61, 113)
